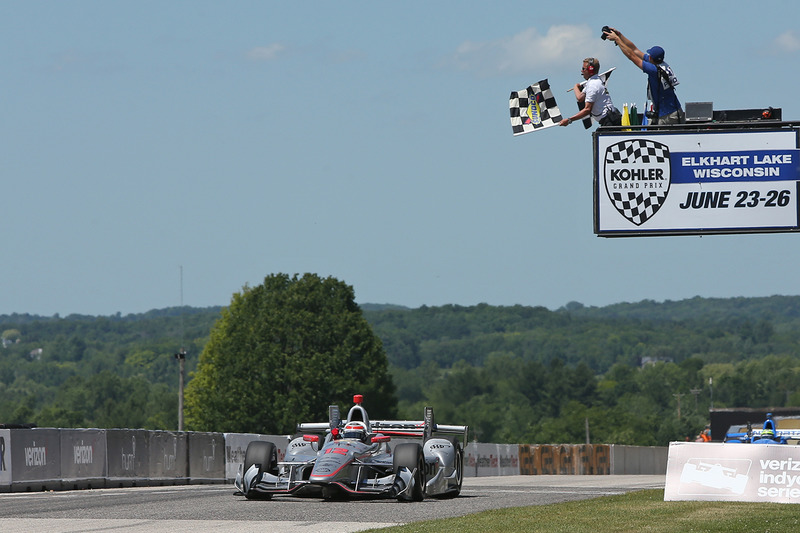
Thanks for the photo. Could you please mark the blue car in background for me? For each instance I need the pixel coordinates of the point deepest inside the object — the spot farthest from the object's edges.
(768, 434)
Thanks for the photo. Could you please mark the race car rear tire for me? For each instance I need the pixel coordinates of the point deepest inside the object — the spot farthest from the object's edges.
(459, 468)
(409, 455)
(264, 454)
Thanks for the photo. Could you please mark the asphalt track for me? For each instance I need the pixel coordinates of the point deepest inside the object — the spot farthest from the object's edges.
(207, 508)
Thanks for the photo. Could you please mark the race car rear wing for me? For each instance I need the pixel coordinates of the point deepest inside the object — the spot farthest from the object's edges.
(414, 429)
(788, 434)
(422, 429)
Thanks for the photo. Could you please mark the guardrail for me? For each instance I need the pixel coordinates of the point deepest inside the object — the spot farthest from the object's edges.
(36, 459)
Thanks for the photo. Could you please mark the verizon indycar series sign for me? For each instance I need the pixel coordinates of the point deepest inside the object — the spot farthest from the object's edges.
(712, 471)
(696, 181)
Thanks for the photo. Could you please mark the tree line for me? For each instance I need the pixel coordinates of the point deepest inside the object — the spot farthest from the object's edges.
(642, 373)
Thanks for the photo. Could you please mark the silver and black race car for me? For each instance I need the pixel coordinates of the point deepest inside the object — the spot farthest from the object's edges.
(354, 458)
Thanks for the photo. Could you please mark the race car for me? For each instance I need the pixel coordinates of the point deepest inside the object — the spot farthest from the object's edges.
(762, 436)
(354, 458)
(769, 434)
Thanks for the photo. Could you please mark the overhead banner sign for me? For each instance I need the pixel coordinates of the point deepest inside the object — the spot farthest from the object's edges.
(697, 182)
(733, 472)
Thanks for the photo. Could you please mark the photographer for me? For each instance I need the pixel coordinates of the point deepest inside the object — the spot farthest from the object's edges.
(661, 81)
(594, 97)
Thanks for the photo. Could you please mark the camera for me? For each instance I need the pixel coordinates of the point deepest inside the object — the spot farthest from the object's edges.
(605, 31)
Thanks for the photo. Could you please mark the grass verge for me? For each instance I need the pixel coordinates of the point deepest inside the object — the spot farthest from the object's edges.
(641, 511)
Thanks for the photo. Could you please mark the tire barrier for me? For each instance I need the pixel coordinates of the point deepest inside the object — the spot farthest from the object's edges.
(36, 459)
(564, 459)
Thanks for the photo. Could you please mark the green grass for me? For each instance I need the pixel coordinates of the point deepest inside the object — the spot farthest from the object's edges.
(642, 511)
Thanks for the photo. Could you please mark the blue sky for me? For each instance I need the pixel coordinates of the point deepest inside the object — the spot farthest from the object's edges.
(368, 141)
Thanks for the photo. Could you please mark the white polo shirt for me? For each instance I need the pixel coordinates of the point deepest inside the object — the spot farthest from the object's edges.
(597, 94)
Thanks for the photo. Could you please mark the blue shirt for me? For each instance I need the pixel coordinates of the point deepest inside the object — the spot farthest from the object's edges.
(664, 99)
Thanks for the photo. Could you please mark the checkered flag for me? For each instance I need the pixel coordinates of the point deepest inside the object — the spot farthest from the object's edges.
(638, 206)
(533, 108)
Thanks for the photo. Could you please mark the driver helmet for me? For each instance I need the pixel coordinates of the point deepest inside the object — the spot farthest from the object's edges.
(355, 430)
(767, 433)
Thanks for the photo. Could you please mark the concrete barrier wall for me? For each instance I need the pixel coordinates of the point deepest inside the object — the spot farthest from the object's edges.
(83, 458)
(207, 458)
(35, 459)
(5, 459)
(637, 460)
(168, 456)
(64, 459)
(491, 460)
(128, 459)
(236, 447)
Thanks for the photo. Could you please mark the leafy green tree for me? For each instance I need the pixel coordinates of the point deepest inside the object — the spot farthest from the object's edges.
(281, 353)
(11, 335)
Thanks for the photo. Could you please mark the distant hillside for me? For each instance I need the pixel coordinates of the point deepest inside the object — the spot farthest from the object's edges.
(621, 366)
(383, 307)
(774, 308)
(716, 329)
(777, 309)
(168, 312)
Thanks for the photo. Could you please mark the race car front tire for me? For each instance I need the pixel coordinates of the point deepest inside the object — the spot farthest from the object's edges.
(409, 455)
(263, 454)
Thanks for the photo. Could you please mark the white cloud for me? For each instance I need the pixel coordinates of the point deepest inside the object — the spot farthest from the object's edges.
(528, 50)
(787, 42)
(266, 53)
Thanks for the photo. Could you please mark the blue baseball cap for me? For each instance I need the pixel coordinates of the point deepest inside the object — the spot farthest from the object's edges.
(656, 53)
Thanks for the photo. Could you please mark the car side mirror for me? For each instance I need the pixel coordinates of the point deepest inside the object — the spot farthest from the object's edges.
(381, 438)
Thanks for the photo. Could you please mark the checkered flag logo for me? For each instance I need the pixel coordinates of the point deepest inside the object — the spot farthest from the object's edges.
(533, 108)
(637, 176)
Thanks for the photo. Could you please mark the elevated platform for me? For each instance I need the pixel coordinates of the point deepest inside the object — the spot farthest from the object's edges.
(700, 115)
